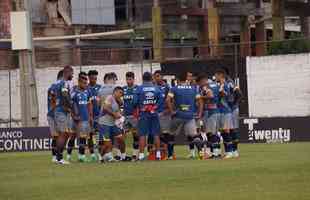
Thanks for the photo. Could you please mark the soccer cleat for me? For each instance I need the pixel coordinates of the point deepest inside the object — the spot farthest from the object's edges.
(190, 156)
(62, 162)
(228, 155)
(54, 159)
(118, 158)
(236, 154)
(127, 159)
(69, 158)
(201, 155)
(134, 158)
(82, 158)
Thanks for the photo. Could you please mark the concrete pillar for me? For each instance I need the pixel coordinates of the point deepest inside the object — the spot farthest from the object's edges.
(157, 32)
(278, 19)
(260, 34)
(245, 38)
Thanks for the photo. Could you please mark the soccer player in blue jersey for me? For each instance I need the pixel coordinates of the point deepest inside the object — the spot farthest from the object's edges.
(225, 122)
(148, 99)
(164, 116)
(210, 94)
(111, 125)
(82, 113)
(62, 111)
(93, 89)
(131, 121)
(51, 104)
(183, 101)
(234, 100)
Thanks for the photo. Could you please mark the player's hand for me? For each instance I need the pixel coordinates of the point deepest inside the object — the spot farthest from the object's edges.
(117, 115)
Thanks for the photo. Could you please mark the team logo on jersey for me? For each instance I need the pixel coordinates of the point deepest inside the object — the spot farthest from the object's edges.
(149, 95)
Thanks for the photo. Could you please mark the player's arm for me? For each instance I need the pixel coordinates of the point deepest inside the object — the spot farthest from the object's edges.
(107, 108)
(90, 110)
(200, 102)
(75, 110)
(237, 94)
(169, 101)
(52, 96)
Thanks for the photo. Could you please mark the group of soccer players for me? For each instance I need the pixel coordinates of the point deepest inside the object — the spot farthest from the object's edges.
(100, 117)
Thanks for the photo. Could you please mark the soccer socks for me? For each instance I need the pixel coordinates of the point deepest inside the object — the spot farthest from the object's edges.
(82, 144)
(91, 145)
(215, 144)
(70, 145)
(235, 139)
(227, 142)
(54, 146)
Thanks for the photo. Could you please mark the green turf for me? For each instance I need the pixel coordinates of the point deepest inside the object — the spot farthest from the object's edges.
(264, 171)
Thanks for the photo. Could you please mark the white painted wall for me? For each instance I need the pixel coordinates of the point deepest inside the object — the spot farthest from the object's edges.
(279, 86)
(45, 77)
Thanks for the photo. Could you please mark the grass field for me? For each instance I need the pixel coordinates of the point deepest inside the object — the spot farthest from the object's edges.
(264, 171)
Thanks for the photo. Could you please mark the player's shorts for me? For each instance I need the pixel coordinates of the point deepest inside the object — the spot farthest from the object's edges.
(52, 126)
(165, 122)
(188, 126)
(235, 119)
(107, 133)
(61, 122)
(149, 125)
(71, 125)
(83, 129)
(130, 123)
(225, 121)
(211, 122)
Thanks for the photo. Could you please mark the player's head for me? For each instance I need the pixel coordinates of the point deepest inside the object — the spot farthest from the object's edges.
(202, 79)
(147, 77)
(130, 78)
(182, 77)
(83, 81)
(68, 73)
(109, 78)
(189, 77)
(60, 74)
(157, 76)
(92, 76)
(114, 76)
(220, 74)
(118, 92)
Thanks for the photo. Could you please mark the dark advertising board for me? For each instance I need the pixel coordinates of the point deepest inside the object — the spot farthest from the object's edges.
(24, 139)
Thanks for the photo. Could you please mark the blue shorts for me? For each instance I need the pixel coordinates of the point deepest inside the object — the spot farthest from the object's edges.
(61, 122)
(106, 133)
(52, 126)
(149, 125)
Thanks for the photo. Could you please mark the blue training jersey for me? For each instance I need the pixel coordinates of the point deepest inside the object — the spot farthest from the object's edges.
(185, 97)
(224, 99)
(211, 104)
(130, 98)
(164, 89)
(94, 98)
(61, 88)
(51, 91)
(80, 99)
(148, 98)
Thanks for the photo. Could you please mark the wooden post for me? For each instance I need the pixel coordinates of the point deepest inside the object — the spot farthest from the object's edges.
(213, 28)
(157, 32)
(278, 19)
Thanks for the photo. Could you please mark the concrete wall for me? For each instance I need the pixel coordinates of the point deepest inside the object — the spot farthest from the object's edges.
(45, 77)
(279, 86)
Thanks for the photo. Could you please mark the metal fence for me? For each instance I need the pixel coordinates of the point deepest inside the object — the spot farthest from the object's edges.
(138, 57)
